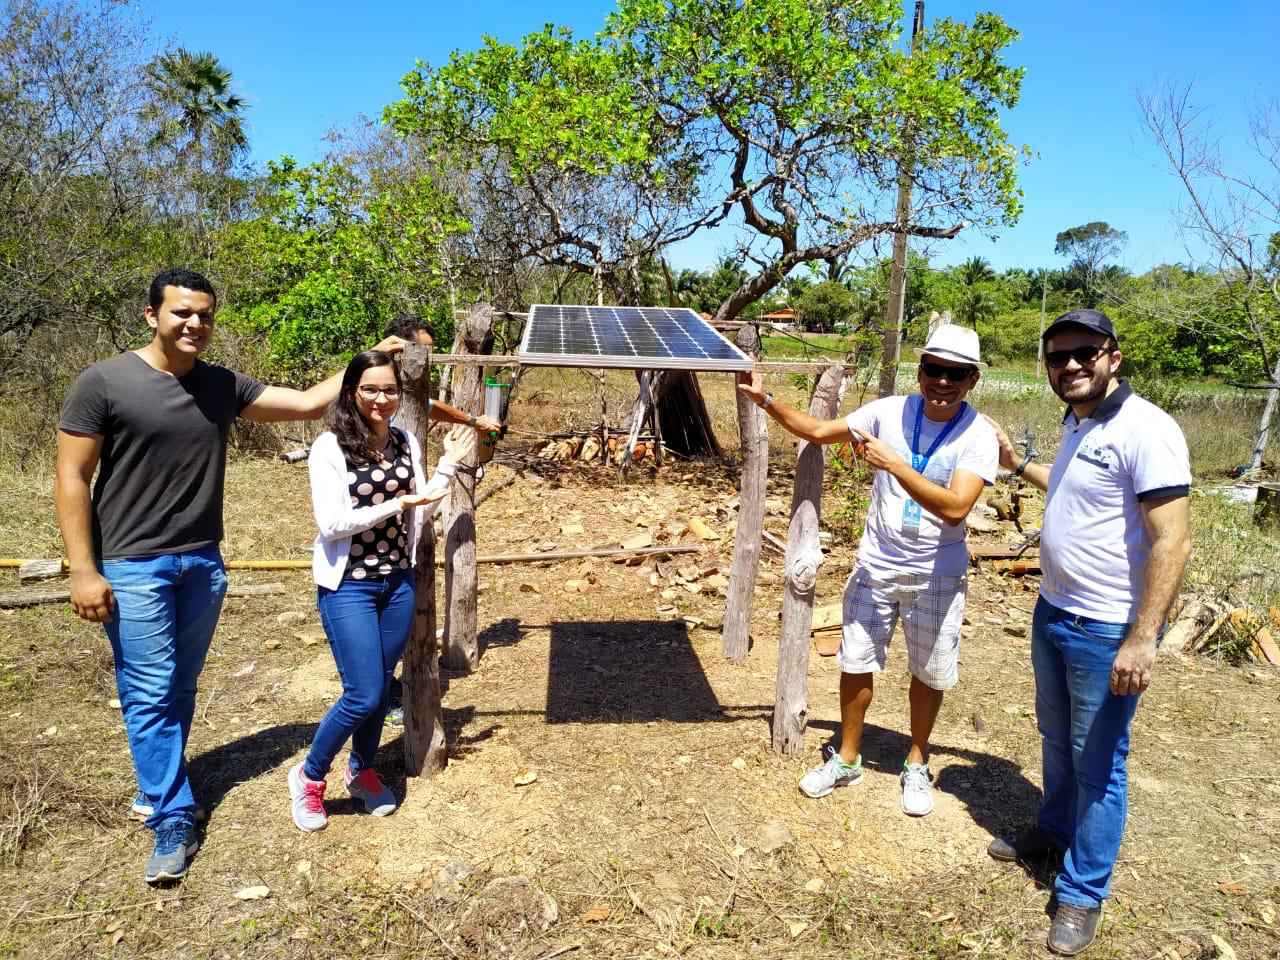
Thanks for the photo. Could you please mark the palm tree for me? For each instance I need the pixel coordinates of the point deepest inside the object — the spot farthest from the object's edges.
(974, 271)
(196, 114)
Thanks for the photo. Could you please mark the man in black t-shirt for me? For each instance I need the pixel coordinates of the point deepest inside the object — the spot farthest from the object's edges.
(142, 545)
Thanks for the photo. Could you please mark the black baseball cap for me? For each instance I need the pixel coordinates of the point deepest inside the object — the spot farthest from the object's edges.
(1086, 318)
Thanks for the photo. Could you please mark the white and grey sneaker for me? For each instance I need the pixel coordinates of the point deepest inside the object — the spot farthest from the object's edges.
(306, 798)
(369, 789)
(917, 791)
(823, 779)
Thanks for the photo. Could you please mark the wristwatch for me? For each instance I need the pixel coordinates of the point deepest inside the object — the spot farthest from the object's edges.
(471, 419)
(768, 399)
(1023, 465)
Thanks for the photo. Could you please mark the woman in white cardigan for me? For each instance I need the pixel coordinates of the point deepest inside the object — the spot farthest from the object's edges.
(370, 500)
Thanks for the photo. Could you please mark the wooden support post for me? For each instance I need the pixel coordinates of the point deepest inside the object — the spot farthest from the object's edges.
(462, 649)
(804, 556)
(735, 639)
(425, 750)
(640, 412)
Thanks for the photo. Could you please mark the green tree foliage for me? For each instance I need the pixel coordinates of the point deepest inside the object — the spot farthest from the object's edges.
(827, 307)
(336, 258)
(785, 117)
(1087, 248)
(75, 235)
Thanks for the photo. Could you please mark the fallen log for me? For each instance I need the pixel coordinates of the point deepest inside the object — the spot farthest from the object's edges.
(31, 598)
(577, 554)
(1192, 620)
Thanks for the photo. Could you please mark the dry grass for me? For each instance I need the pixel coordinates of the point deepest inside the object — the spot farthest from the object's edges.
(639, 818)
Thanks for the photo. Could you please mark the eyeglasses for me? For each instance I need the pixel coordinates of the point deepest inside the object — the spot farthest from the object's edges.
(371, 393)
(1086, 355)
(936, 371)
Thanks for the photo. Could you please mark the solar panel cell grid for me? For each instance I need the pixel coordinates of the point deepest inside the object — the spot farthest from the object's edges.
(649, 338)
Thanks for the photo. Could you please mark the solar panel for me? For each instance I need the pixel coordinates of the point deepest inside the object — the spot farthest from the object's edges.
(635, 338)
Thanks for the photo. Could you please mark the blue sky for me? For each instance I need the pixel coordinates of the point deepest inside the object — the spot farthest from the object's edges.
(308, 67)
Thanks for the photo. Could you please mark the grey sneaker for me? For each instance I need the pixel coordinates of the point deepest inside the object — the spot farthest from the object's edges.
(142, 809)
(368, 788)
(1073, 928)
(917, 791)
(307, 798)
(823, 779)
(176, 844)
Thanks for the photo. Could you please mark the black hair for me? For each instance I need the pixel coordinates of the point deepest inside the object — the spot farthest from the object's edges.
(406, 324)
(343, 416)
(178, 277)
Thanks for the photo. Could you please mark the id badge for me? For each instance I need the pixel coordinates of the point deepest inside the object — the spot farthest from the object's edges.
(911, 517)
(917, 462)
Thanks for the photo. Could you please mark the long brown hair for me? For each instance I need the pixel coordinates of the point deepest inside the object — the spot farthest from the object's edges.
(343, 416)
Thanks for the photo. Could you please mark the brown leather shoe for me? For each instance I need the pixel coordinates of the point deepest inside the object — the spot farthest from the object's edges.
(1030, 844)
(1073, 928)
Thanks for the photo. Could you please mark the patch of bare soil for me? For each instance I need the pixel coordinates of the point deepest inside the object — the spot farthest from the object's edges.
(611, 790)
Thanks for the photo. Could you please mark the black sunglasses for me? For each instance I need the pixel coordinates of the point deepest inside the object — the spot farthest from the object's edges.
(1057, 359)
(936, 371)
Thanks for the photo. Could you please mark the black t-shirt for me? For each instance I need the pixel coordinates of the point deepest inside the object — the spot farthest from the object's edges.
(164, 451)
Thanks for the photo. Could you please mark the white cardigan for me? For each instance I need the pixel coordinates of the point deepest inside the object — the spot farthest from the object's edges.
(338, 520)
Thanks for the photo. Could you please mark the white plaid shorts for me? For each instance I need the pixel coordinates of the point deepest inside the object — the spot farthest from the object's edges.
(932, 611)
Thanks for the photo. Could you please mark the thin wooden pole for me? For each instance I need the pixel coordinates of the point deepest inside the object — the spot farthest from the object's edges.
(804, 556)
(735, 639)
(462, 647)
(425, 749)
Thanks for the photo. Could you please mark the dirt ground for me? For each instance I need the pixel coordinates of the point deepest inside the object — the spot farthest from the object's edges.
(611, 790)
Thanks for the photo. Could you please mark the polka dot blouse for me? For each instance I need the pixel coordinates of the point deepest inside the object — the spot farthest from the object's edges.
(382, 549)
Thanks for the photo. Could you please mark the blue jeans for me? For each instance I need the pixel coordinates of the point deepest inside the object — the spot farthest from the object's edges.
(368, 624)
(1084, 730)
(166, 611)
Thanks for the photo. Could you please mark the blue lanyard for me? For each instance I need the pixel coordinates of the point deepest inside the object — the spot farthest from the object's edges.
(918, 463)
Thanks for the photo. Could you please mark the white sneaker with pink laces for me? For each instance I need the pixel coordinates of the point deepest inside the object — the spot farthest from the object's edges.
(368, 788)
(308, 801)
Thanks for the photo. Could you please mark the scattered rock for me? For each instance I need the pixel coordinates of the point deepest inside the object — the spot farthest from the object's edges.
(253, 893)
(638, 541)
(1016, 629)
(739, 763)
(452, 881)
(526, 777)
(774, 835)
(272, 643)
(1225, 951)
(572, 529)
(291, 616)
(506, 912)
(310, 638)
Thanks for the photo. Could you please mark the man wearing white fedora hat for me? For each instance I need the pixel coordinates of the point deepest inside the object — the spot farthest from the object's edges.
(932, 455)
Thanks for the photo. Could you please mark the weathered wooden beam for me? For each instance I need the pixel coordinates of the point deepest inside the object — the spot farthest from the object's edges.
(425, 749)
(735, 638)
(804, 556)
(461, 635)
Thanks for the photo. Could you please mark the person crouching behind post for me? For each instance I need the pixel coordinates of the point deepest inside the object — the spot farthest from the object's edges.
(370, 501)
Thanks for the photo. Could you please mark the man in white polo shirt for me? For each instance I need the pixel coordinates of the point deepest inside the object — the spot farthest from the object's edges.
(1113, 547)
(932, 455)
